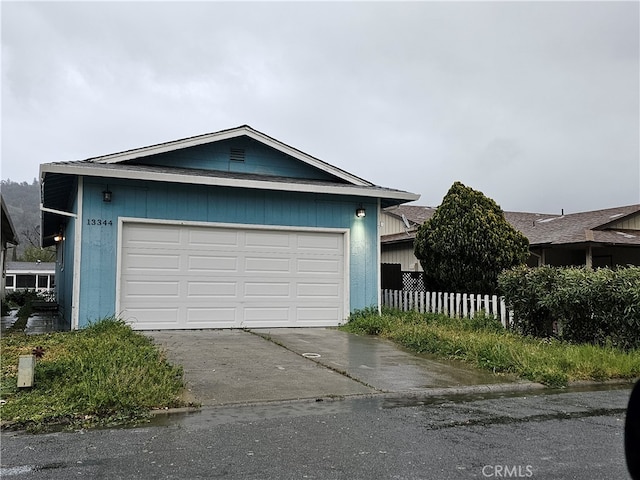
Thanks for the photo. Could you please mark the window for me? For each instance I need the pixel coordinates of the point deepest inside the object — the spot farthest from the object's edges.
(43, 281)
(26, 281)
(10, 280)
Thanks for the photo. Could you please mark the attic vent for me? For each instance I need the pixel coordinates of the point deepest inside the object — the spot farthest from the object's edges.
(236, 154)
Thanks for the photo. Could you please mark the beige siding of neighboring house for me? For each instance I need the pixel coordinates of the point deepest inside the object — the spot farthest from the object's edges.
(402, 253)
(632, 223)
(391, 224)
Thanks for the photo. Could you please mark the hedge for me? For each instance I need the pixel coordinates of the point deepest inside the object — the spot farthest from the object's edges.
(579, 305)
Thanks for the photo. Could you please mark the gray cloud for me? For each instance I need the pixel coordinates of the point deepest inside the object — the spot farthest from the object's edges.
(534, 103)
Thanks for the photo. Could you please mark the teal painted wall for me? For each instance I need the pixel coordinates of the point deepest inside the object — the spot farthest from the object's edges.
(64, 265)
(259, 159)
(156, 200)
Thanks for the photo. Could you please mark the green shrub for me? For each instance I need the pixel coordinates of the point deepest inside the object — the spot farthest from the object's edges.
(467, 243)
(579, 305)
(20, 298)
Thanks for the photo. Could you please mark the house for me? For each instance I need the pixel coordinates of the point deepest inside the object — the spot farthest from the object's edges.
(9, 237)
(599, 238)
(224, 230)
(38, 276)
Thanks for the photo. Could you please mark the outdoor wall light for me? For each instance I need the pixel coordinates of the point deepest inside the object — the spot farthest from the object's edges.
(106, 195)
(58, 238)
(360, 212)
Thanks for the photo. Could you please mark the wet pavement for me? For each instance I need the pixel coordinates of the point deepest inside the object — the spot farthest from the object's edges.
(223, 367)
(378, 362)
(552, 435)
(38, 322)
(8, 320)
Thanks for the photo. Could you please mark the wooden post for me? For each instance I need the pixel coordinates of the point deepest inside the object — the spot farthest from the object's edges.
(465, 310)
(589, 257)
(26, 370)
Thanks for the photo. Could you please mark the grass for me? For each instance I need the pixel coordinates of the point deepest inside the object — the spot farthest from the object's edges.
(105, 374)
(484, 343)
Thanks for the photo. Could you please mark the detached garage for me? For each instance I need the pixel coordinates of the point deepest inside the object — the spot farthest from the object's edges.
(232, 229)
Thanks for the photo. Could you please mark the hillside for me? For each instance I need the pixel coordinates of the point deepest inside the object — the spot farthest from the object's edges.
(23, 202)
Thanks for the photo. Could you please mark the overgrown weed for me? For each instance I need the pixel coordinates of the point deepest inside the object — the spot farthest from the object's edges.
(484, 343)
(103, 374)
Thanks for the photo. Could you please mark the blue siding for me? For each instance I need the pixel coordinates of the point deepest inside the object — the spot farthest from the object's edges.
(64, 267)
(259, 159)
(215, 204)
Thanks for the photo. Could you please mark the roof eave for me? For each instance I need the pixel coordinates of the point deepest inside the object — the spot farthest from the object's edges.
(395, 196)
(10, 237)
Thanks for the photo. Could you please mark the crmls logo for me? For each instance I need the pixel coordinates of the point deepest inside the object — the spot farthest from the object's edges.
(507, 471)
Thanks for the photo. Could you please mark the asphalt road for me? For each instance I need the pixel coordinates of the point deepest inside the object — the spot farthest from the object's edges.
(568, 435)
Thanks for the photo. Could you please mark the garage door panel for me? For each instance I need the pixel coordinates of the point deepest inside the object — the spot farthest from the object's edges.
(152, 289)
(315, 314)
(209, 315)
(267, 264)
(223, 277)
(150, 261)
(148, 315)
(319, 266)
(212, 290)
(146, 235)
(212, 263)
(199, 237)
(267, 289)
(320, 244)
(258, 240)
(261, 315)
(318, 290)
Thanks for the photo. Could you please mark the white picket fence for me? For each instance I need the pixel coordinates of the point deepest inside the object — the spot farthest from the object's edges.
(463, 305)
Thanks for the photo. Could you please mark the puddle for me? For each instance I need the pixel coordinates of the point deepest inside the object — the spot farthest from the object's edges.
(426, 399)
(22, 469)
(45, 322)
(247, 414)
(37, 323)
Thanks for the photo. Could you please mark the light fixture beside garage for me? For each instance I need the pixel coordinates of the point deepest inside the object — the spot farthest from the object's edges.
(360, 212)
(106, 195)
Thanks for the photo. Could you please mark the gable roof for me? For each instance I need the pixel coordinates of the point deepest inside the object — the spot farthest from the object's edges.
(243, 130)
(127, 165)
(596, 226)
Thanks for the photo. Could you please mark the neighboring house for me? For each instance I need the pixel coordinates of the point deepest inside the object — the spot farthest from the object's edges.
(38, 276)
(600, 238)
(225, 230)
(9, 237)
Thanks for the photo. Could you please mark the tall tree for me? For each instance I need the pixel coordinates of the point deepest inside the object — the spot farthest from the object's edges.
(467, 243)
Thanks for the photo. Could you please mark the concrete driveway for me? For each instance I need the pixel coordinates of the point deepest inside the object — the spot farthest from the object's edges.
(247, 366)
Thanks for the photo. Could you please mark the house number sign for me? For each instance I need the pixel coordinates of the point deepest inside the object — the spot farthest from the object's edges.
(99, 221)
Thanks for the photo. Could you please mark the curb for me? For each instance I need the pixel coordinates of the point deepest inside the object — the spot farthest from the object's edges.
(487, 389)
(169, 411)
(474, 389)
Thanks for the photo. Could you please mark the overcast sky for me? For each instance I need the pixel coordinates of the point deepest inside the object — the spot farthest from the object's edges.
(535, 104)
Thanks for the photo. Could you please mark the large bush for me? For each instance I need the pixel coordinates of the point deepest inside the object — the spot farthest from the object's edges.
(467, 243)
(577, 304)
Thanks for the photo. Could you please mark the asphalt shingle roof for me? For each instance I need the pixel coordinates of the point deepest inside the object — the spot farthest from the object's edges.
(539, 228)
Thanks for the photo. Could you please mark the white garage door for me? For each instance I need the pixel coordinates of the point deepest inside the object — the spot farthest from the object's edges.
(181, 277)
